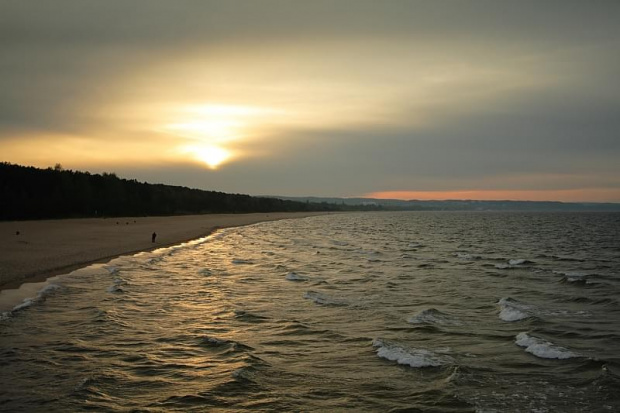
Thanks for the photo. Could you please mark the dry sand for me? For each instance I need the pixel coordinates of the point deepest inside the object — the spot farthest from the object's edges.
(46, 248)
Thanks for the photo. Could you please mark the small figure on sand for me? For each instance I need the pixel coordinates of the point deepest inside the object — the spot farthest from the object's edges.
(153, 237)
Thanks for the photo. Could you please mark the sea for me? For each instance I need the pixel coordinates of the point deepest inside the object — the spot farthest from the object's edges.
(362, 312)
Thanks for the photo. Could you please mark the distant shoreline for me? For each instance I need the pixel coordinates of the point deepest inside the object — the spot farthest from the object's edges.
(32, 251)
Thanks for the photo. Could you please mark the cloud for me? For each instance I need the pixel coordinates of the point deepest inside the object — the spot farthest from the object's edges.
(371, 96)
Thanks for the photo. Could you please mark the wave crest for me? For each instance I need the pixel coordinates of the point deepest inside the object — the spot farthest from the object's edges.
(408, 356)
(543, 349)
(432, 316)
(512, 310)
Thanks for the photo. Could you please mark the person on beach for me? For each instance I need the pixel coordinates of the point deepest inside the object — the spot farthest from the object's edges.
(153, 237)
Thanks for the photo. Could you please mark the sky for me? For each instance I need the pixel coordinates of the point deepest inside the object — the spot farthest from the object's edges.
(399, 99)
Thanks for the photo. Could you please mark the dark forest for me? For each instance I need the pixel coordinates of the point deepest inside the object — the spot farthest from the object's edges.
(34, 193)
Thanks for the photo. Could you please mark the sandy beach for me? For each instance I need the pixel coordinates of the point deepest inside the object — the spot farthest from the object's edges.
(31, 251)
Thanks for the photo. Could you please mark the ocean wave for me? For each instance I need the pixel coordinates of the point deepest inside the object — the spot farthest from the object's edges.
(291, 276)
(433, 316)
(512, 310)
(519, 261)
(42, 294)
(249, 317)
(543, 349)
(575, 277)
(505, 266)
(114, 289)
(408, 356)
(111, 269)
(240, 261)
(513, 263)
(467, 256)
(214, 342)
(569, 259)
(415, 245)
(322, 299)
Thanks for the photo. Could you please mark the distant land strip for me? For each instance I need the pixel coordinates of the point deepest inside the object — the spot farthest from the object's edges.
(460, 205)
(29, 193)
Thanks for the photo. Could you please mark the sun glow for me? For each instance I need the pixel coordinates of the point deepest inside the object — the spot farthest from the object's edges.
(209, 130)
(213, 129)
(212, 156)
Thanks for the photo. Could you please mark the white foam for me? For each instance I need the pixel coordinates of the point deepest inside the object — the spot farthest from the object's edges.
(408, 356)
(541, 348)
(517, 261)
(291, 276)
(432, 316)
(512, 310)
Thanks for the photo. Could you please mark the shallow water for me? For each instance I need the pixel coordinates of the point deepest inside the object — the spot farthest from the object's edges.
(437, 312)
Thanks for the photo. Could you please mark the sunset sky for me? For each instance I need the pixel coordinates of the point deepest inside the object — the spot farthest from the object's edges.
(402, 99)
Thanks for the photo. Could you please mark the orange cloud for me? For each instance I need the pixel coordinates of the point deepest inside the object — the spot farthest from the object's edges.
(564, 195)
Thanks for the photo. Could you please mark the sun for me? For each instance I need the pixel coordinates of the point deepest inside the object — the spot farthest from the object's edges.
(207, 131)
(212, 156)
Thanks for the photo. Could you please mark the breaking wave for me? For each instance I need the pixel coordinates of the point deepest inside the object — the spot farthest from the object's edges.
(513, 310)
(408, 356)
(543, 349)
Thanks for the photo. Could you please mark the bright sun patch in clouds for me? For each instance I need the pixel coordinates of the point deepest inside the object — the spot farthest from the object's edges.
(212, 156)
(208, 130)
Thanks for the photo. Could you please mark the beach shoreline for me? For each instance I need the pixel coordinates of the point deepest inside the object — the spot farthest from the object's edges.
(33, 251)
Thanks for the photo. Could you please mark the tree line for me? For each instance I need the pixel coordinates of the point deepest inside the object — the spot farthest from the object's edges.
(34, 193)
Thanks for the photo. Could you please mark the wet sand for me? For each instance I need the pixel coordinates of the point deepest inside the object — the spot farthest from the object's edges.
(46, 248)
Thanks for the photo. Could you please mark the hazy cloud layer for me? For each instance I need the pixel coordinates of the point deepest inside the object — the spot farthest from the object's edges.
(355, 96)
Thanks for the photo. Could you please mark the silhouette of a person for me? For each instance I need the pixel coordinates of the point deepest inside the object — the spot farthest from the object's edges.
(153, 237)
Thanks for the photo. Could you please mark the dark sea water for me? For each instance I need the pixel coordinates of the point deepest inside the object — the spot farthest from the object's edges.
(416, 312)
